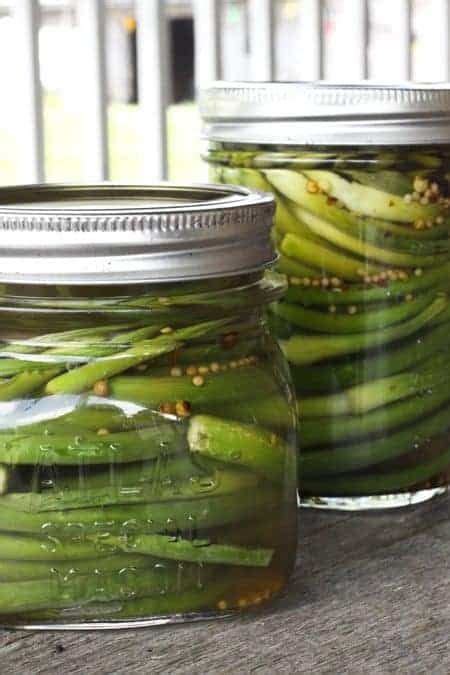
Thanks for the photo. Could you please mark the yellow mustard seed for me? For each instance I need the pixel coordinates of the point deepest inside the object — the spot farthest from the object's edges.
(409, 297)
(424, 201)
(214, 367)
(233, 364)
(407, 198)
(332, 309)
(420, 184)
(334, 281)
(295, 281)
(101, 388)
(312, 187)
(166, 330)
(203, 370)
(439, 220)
(306, 281)
(103, 432)
(191, 371)
(222, 604)
(352, 309)
(176, 371)
(198, 381)
(418, 272)
(183, 408)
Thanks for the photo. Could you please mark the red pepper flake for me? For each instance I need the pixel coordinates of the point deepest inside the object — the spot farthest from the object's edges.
(230, 340)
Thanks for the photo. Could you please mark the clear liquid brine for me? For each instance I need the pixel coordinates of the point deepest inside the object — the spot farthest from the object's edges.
(147, 452)
(363, 237)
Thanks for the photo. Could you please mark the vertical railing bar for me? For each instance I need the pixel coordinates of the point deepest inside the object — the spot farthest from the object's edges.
(357, 19)
(365, 38)
(27, 16)
(312, 42)
(262, 39)
(404, 37)
(92, 16)
(207, 41)
(445, 22)
(320, 39)
(153, 85)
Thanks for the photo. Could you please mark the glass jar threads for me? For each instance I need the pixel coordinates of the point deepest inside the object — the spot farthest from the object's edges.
(361, 178)
(147, 424)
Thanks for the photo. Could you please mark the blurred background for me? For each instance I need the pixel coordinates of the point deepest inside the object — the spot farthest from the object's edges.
(95, 89)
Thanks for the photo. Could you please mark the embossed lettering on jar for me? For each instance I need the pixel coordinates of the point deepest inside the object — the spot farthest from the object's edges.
(361, 179)
(147, 423)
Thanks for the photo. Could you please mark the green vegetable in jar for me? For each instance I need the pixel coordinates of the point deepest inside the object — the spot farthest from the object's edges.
(111, 506)
(364, 241)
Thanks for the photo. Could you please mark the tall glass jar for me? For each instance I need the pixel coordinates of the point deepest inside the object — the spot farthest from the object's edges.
(361, 178)
(147, 422)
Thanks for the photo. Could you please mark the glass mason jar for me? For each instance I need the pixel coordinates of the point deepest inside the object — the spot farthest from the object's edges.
(361, 178)
(147, 422)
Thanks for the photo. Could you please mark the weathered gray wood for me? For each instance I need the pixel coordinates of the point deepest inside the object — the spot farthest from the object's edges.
(370, 594)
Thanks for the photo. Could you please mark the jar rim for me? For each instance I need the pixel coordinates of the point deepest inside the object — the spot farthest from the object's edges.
(109, 233)
(327, 113)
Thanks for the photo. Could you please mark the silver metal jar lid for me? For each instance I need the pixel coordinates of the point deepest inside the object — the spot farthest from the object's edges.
(322, 113)
(111, 234)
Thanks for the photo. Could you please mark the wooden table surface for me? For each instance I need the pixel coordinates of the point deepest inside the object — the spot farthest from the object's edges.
(370, 594)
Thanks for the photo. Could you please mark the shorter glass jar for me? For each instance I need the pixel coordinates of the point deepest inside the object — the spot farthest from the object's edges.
(147, 424)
